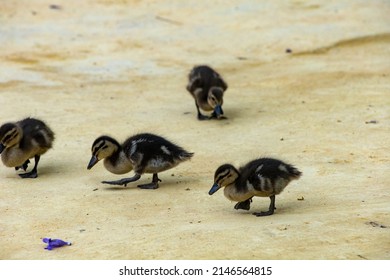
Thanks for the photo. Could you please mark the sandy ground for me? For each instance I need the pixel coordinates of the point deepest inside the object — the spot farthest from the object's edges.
(120, 67)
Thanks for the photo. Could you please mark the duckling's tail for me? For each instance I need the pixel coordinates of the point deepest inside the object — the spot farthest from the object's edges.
(294, 172)
(185, 156)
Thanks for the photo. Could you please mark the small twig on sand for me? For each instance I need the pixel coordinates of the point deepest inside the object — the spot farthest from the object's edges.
(168, 20)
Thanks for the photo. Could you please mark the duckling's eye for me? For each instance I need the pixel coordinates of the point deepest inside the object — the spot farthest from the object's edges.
(104, 147)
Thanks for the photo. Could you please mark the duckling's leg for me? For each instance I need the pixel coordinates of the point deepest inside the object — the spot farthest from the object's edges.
(24, 166)
(270, 210)
(200, 116)
(123, 181)
(245, 205)
(33, 173)
(153, 185)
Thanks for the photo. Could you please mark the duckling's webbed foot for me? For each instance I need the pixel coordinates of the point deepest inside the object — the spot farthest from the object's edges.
(270, 210)
(123, 181)
(151, 186)
(33, 173)
(215, 116)
(263, 213)
(245, 205)
(202, 117)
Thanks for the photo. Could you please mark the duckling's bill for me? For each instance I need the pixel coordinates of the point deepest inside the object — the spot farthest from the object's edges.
(214, 188)
(92, 162)
(218, 111)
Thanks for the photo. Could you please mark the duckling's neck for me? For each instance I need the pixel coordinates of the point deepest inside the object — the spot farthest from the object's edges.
(118, 163)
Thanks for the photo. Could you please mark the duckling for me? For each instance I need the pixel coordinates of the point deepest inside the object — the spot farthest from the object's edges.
(207, 87)
(22, 140)
(264, 177)
(143, 153)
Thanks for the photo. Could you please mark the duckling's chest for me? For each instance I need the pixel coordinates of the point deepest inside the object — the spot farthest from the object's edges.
(119, 165)
(12, 157)
(205, 106)
(233, 194)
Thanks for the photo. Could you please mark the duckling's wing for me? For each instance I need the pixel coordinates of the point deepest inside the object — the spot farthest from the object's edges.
(36, 131)
(216, 80)
(146, 149)
(43, 139)
(211, 78)
(272, 169)
(222, 84)
(194, 83)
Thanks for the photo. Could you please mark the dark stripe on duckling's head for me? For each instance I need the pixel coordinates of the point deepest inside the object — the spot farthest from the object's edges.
(215, 100)
(215, 96)
(100, 145)
(9, 135)
(8, 132)
(102, 141)
(104, 146)
(217, 92)
(225, 175)
(5, 128)
(223, 171)
(222, 175)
